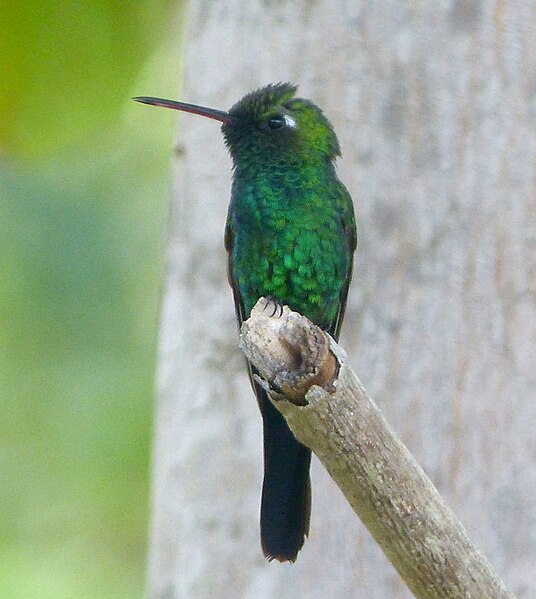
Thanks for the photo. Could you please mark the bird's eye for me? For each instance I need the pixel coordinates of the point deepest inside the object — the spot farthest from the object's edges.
(276, 122)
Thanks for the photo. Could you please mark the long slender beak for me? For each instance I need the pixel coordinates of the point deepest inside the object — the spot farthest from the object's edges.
(211, 113)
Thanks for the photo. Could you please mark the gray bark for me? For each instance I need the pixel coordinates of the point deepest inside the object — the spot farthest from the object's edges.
(435, 107)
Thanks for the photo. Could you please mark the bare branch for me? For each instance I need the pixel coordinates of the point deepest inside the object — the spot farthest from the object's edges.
(330, 412)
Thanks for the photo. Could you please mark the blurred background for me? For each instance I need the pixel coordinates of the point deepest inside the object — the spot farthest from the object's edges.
(83, 199)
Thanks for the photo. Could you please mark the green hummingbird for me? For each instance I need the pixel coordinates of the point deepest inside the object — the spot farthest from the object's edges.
(290, 235)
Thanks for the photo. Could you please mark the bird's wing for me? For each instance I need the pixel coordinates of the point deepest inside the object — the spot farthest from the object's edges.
(239, 304)
(350, 234)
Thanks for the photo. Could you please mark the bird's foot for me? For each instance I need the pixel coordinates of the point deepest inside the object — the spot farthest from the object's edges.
(272, 303)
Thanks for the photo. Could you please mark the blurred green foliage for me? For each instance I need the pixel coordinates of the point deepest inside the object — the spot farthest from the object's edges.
(83, 200)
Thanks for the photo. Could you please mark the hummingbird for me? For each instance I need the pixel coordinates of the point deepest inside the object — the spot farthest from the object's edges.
(290, 235)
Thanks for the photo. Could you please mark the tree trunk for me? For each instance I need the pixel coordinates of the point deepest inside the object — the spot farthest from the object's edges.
(434, 105)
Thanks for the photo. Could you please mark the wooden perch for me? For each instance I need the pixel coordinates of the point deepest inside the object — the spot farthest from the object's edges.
(330, 412)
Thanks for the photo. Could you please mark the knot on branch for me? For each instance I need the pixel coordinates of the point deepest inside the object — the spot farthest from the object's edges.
(290, 352)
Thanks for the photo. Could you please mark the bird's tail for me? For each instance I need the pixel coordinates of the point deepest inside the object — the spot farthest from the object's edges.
(286, 490)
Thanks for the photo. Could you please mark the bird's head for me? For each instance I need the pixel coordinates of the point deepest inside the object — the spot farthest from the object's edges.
(270, 125)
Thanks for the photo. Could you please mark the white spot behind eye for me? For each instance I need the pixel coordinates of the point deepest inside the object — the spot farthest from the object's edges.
(289, 121)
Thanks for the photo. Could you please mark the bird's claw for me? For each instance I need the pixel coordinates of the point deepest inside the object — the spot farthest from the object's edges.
(276, 305)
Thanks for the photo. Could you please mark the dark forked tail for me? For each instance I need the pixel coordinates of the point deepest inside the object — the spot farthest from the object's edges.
(286, 490)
